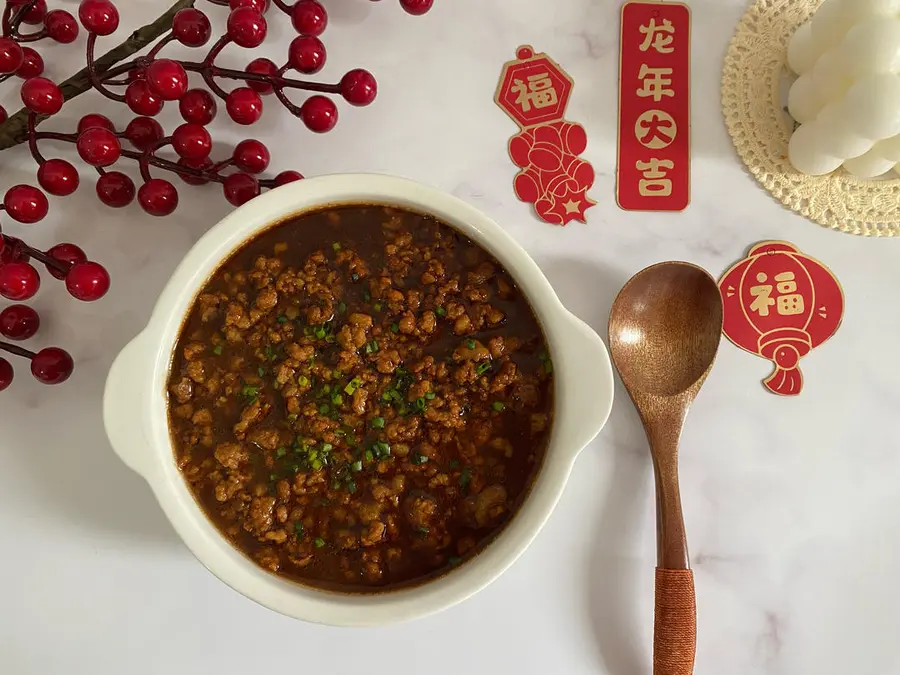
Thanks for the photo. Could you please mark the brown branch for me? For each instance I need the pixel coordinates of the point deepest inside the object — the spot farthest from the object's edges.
(15, 130)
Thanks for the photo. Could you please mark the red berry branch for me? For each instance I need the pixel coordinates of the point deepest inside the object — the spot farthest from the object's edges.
(145, 84)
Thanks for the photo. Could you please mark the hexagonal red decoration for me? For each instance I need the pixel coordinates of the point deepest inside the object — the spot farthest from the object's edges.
(533, 90)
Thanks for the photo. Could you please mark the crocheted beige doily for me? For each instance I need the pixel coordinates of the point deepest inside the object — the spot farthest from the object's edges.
(753, 84)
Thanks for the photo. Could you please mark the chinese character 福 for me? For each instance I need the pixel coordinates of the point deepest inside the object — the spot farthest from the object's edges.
(762, 296)
(539, 92)
(655, 129)
(654, 183)
(654, 83)
(658, 37)
(791, 302)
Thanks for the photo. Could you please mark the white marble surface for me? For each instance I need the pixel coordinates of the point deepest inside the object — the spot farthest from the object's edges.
(791, 505)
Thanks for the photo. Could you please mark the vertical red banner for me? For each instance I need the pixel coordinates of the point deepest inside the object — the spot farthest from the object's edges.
(654, 168)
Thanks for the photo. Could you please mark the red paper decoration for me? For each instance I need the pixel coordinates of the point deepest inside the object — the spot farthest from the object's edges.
(654, 170)
(534, 91)
(780, 304)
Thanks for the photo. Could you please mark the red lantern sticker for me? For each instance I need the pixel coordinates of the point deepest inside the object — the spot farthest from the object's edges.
(654, 169)
(781, 304)
(534, 91)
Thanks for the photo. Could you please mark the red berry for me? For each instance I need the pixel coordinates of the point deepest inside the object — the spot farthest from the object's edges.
(158, 197)
(192, 141)
(98, 16)
(197, 106)
(261, 66)
(141, 100)
(18, 281)
(306, 54)
(95, 120)
(416, 6)
(87, 281)
(68, 255)
(36, 14)
(247, 27)
(52, 365)
(358, 87)
(6, 374)
(58, 177)
(244, 105)
(251, 156)
(19, 322)
(240, 188)
(61, 26)
(201, 164)
(32, 64)
(191, 27)
(11, 56)
(309, 17)
(42, 96)
(286, 177)
(144, 132)
(98, 146)
(167, 79)
(115, 189)
(3, 115)
(319, 114)
(25, 203)
(259, 5)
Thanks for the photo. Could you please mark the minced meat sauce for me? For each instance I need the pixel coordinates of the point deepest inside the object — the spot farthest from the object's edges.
(360, 398)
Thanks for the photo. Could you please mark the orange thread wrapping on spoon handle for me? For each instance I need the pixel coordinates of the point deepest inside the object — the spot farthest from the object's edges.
(675, 625)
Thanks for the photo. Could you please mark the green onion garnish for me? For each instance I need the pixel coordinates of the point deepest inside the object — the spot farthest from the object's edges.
(357, 466)
(217, 350)
(319, 542)
(441, 312)
(336, 246)
(483, 367)
(281, 452)
(342, 307)
(395, 328)
(282, 318)
(470, 343)
(430, 395)
(418, 458)
(378, 423)
(499, 406)
(324, 409)
(299, 529)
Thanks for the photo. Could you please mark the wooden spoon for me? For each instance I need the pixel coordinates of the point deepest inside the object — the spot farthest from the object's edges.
(664, 331)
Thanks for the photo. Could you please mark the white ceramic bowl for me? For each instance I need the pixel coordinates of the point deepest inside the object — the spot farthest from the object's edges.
(134, 407)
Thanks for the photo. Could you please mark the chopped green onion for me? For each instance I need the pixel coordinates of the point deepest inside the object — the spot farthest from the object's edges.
(548, 366)
(330, 339)
(352, 386)
(377, 306)
(342, 307)
(421, 404)
(326, 389)
(273, 477)
(217, 350)
(351, 486)
(270, 353)
(422, 531)
(395, 328)
(336, 246)
(319, 542)
(324, 409)
(316, 464)
(483, 367)
(292, 417)
(281, 452)
(320, 332)
(337, 399)
(261, 371)
(418, 458)
(499, 406)
(470, 343)
(372, 347)
(465, 478)
(370, 456)
(327, 447)
(299, 529)
(303, 380)
(337, 374)
(250, 391)
(381, 449)
(378, 423)
(430, 395)
(441, 312)
(366, 295)
(282, 318)
(357, 466)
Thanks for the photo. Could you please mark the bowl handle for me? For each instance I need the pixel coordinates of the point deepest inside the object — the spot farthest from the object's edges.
(124, 406)
(586, 399)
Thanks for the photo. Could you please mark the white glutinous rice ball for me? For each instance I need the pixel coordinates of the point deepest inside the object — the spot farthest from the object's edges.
(836, 136)
(830, 23)
(869, 165)
(803, 101)
(889, 149)
(802, 52)
(854, 10)
(872, 46)
(805, 153)
(829, 77)
(873, 106)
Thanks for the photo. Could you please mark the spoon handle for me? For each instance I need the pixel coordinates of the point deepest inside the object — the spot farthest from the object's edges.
(675, 623)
